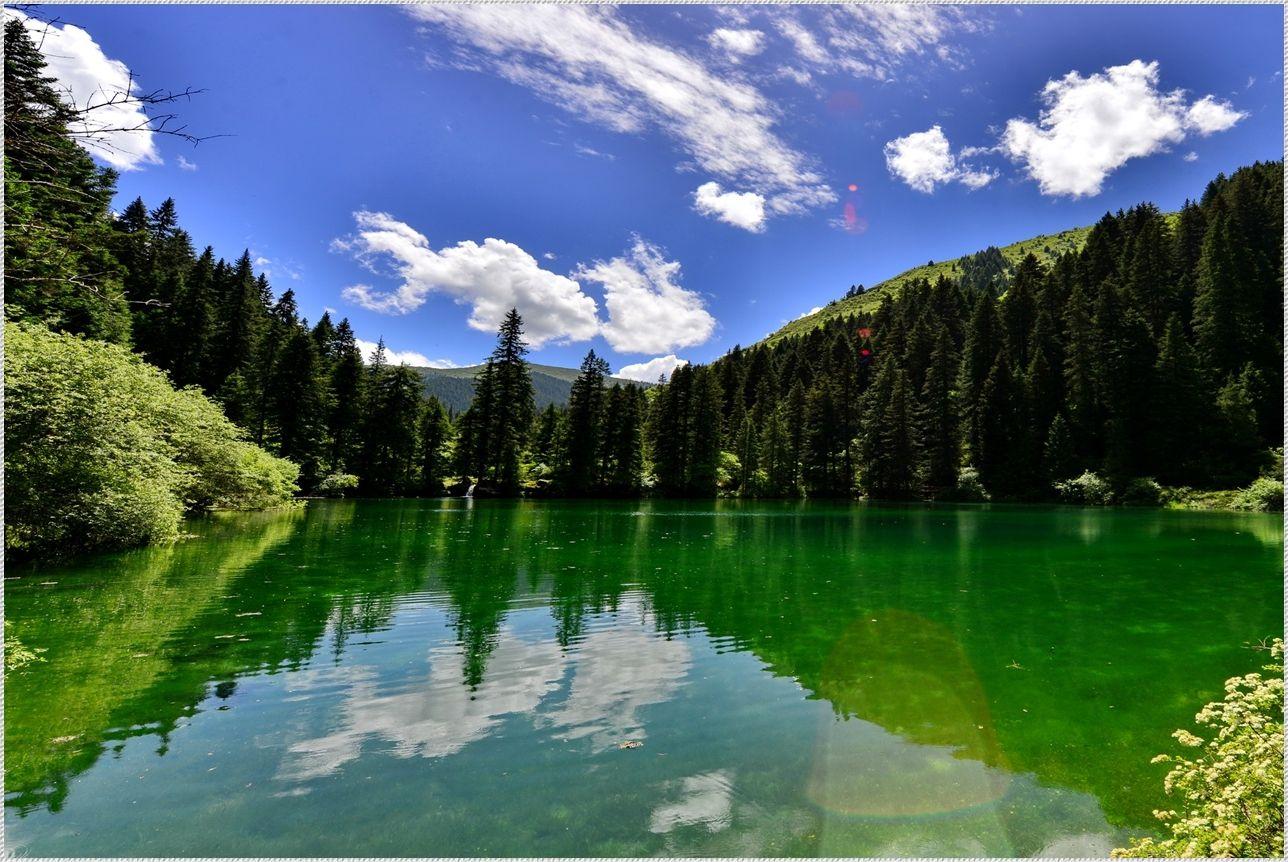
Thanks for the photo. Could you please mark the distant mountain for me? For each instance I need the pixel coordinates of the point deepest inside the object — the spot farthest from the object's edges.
(455, 386)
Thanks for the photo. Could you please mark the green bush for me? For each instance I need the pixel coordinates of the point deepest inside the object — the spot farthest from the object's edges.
(1141, 492)
(101, 451)
(1263, 495)
(969, 488)
(1232, 792)
(1085, 490)
(337, 484)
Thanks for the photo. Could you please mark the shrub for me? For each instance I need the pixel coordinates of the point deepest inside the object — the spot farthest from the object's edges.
(1232, 792)
(337, 484)
(1085, 490)
(1141, 492)
(969, 488)
(101, 451)
(1263, 495)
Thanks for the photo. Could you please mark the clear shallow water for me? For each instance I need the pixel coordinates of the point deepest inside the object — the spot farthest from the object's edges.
(440, 678)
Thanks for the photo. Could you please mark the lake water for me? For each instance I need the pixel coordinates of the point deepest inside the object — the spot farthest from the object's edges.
(449, 677)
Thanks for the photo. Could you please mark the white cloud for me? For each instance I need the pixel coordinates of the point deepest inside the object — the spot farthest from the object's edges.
(591, 63)
(740, 209)
(924, 160)
(737, 43)
(490, 278)
(815, 310)
(1091, 126)
(649, 372)
(874, 40)
(274, 268)
(186, 165)
(1208, 116)
(88, 78)
(1191, 156)
(803, 40)
(593, 153)
(800, 76)
(648, 312)
(401, 357)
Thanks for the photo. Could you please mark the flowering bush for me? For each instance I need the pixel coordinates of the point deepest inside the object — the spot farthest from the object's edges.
(1232, 792)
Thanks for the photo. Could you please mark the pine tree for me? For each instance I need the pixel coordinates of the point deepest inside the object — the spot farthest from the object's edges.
(705, 407)
(1000, 460)
(889, 466)
(346, 401)
(1219, 301)
(58, 265)
(435, 431)
(584, 440)
(978, 359)
(776, 465)
(938, 430)
(515, 405)
(390, 446)
(297, 404)
(1179, 424)
(623, 444)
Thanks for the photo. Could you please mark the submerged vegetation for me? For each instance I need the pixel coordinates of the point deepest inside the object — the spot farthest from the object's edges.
(1231, 793)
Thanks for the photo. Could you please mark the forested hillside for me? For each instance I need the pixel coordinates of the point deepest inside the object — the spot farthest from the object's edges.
(989, 269)
(1088, 366)
(1153, 351)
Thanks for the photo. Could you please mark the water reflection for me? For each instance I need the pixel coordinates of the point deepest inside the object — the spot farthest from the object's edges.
(792, 679)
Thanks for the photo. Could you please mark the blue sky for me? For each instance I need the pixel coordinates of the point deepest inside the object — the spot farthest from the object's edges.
(662, 181)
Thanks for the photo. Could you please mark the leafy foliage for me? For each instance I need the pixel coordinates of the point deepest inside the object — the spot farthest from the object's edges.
(1231, 792)
(101, 451)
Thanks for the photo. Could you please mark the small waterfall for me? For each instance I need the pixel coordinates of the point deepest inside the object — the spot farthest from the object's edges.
(470, 492)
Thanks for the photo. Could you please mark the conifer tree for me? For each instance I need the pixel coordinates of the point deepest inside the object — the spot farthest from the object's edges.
(584, 439)
(938, 430)
(435, 431)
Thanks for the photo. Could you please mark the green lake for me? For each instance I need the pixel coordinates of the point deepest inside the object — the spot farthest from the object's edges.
(457, 678)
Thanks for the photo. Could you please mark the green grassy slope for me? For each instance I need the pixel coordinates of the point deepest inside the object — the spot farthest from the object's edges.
(1045, 247)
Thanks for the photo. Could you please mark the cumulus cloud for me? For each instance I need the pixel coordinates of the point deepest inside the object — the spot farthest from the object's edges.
(491, 278)
(740, 209)
(1208, 116)
(1090, 126)
(401, 357)
(737, 43)
(1191, 156)
(186, 165)
(651, 371)
(648, 311)
(925, 160)
(100, 87)
(590, 62)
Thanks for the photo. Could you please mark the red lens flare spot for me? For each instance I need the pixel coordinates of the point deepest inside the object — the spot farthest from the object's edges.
(854, 187)
(865, 332)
